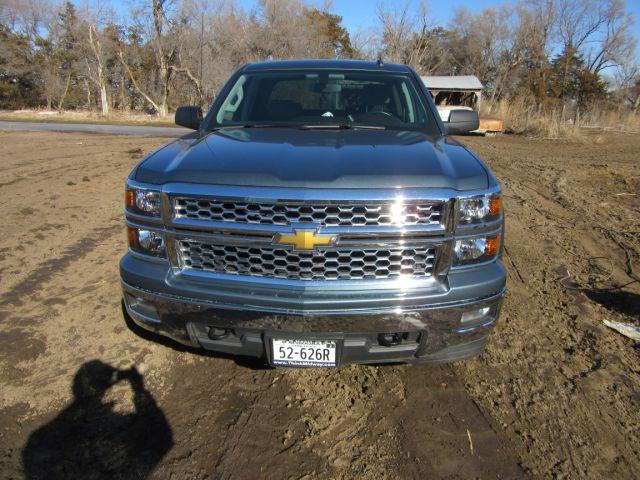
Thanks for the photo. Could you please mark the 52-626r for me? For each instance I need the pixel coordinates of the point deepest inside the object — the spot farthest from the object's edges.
(317, 353)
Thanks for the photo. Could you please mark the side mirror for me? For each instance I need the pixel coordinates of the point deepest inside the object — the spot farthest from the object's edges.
(462, 121)
(189, 116)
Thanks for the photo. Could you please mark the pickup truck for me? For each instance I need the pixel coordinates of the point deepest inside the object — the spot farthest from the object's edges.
(320, 214)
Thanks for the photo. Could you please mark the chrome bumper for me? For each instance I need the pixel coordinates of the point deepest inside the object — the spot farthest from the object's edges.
(438, 335)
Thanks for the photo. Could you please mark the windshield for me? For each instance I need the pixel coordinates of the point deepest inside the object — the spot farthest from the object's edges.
(325, 99)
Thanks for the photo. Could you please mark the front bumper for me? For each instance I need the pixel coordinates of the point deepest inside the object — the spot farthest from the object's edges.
(244, 317)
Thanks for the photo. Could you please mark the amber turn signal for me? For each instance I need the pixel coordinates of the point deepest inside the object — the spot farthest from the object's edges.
(495, 206)
(492, 246)
(130, 199)
(132, 235)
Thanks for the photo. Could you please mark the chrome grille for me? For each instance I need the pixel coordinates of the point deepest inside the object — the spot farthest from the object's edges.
(327, 264)
(322, 214)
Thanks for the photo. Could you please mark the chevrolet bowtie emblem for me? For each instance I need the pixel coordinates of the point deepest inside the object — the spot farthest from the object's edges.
(304, 239)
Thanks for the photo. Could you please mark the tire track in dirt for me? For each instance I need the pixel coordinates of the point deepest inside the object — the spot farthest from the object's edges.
(552, 373)
(336, 406)
(374, 422)
(60, 297)
(44, 272)
(356, 422)
(234, 420)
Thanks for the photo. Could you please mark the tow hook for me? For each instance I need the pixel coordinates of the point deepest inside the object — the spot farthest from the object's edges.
(391, 339)
(215, 333)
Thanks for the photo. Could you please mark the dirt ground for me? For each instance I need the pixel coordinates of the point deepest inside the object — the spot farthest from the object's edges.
(557, 394)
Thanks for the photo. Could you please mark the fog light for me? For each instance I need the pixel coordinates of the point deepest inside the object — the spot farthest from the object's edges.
(143, 307)
(147, 242)
(475, 315)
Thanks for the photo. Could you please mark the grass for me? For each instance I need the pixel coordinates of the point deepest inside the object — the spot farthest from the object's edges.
(83, 116)
(522, 116)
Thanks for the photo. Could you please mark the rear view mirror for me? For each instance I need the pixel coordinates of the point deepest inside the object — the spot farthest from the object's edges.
(189, 116)
(462, 121)
(332, 88)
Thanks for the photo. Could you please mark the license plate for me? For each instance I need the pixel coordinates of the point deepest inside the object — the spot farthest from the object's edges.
(304, 353)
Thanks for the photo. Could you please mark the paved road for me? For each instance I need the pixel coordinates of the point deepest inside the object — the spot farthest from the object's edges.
(94, 128)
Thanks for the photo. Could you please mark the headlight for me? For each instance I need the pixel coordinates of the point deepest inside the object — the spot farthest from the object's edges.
(147, 242)
(142, 201)
(480, 208)
(476, 249)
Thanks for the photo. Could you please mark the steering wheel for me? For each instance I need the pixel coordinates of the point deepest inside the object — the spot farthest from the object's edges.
(382, 113)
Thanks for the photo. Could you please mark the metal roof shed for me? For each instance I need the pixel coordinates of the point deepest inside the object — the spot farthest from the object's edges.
(463, 84)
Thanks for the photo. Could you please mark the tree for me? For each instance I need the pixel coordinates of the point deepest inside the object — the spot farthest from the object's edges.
(96, 67)
(27, 17)
(165, 35)
(492, 46)
(536, 28)
(98, 37)
(571, 79)
(66, 56)
(602, 31)
(168, 52)
(58, 57)
(402, 33)
(19, 81)
(164, 51)
(333, 37)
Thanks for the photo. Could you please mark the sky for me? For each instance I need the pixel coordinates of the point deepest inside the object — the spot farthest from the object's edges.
(361, 14)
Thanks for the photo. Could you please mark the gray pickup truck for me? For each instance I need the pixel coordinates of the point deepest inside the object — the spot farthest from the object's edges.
(319, 215)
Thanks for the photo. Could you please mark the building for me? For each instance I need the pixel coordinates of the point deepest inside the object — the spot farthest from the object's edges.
(460, 91)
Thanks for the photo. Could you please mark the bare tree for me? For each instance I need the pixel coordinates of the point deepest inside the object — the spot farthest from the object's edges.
(600, 30)
(171, 51)
(96, 70)
(366, 43)
(627, 86)
(399, 27)
(616, 44)
(27, 17)
(164, 51)
(96, 17)
(408, 36)
(284, 29)
(167, 31)
(493, 45)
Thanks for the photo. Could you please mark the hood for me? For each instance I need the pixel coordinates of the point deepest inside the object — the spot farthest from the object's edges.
(279, 157)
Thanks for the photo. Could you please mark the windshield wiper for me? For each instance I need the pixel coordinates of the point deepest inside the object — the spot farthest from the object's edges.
(259, 125)
(342, 126)
(337, 126)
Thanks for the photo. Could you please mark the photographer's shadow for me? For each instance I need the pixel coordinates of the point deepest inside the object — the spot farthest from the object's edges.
(89, 440)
